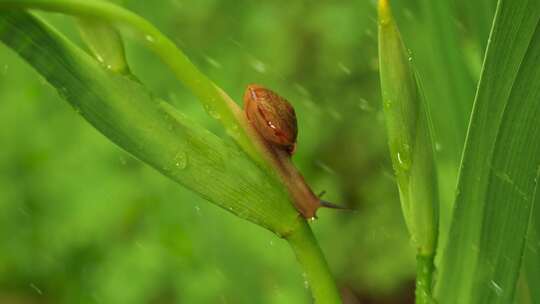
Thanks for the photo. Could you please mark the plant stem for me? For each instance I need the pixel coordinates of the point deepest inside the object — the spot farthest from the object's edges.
(316, 270)
(424, 276)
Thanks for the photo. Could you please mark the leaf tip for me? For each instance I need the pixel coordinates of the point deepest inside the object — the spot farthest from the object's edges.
(385, 14)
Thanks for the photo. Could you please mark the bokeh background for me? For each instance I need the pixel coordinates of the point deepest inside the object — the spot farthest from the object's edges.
(81, 221)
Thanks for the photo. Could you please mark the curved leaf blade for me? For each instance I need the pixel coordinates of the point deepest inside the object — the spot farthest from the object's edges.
(152, 130)
(499, 169)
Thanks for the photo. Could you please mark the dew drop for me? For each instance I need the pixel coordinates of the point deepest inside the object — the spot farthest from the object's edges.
(180, 160)
(404, 157)
(306, 282)
(400, 158)
(212, 112)
(150, 38)
(99, 58)
(215, 114)
(438, 147)
(387, 103)
(233, 131)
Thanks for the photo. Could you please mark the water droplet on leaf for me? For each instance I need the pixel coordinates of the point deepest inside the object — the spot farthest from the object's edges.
(99, 58)
(212, 112)
(404, 157)
(306, 282)
(180, 160)
(387, 103)
(150, 38)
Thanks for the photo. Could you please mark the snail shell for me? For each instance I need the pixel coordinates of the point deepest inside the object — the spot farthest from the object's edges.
(272, 116)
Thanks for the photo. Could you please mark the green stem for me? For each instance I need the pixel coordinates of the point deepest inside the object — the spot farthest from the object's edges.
(316, 270)
(424, 276)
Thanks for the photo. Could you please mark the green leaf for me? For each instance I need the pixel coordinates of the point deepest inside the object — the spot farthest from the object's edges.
(500, 166)
(408, 135)
(156, 133)
(531, 262)
(437, 44)
(215, 101)
(149, 128)
(453, 84)
(479, 17)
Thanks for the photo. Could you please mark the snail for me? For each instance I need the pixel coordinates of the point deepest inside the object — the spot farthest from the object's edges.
(272, 116)
(274, 119)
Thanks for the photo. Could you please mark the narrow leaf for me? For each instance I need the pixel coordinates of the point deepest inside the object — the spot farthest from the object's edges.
(215, 101)
(499, 170)
(152, 130)
(408, 135)
(437, 45)
(479, 17)
(531, 266)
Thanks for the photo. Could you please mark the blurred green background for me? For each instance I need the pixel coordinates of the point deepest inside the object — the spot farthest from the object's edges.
(83, 222)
